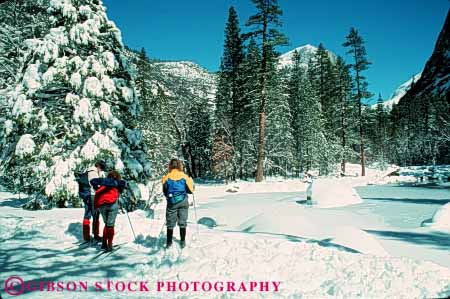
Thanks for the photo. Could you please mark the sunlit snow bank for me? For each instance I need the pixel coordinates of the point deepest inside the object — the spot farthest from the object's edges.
(42, 243)
(330, 193)
(441, 219)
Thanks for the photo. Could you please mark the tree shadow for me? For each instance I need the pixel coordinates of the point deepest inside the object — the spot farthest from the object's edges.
(434, 239)
(298, 239)
(429, 185)
(13, 202)
(75, 229)
(411, 200)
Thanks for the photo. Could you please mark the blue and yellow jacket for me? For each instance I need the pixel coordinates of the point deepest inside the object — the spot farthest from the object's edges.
(176, 186)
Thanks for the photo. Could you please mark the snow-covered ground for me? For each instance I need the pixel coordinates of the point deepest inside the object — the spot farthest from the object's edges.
(263, 232)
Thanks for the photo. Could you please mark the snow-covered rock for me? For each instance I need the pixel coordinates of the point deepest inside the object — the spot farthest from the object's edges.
(328, 193)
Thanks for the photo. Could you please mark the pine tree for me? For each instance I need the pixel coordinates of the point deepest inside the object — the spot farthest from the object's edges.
(279, 130)
(381, 126)
(265, 23)
(230, 90)
(74, 103)
(315, 148)
(294, 85)
(323, 81)
(357, 50)
(199, 136)
(19, 20)
(248, 129)
(155, 122)
(345, 110)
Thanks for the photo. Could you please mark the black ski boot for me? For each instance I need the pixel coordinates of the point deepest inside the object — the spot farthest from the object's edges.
(104, 246)
(169, 237)
(182, 237)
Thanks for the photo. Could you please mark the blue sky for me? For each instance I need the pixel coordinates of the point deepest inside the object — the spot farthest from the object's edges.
(400, 35)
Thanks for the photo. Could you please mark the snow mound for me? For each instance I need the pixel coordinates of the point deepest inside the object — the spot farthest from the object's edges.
(441, 219)
(330, 193)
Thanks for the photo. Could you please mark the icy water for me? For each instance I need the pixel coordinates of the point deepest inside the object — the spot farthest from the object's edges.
(402, 206)
(402, 210)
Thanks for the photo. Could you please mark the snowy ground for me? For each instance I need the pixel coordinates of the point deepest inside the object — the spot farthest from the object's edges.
(375, 248)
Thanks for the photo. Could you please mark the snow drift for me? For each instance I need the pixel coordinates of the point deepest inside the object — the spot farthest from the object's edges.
(441, 219)
(304, 269)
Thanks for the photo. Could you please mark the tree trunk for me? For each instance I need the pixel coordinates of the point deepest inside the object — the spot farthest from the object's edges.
(261, 141)
(262, 106)
(361, 131)
(361, 141)
(343, 142)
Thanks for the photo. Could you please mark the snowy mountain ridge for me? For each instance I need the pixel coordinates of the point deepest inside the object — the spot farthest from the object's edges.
(399, 92)
(306, 52)
(187, 73)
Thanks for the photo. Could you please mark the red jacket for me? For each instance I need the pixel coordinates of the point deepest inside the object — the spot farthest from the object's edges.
(105, 196)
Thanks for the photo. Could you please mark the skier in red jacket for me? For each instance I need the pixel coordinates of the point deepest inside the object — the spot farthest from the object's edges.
(106, 200)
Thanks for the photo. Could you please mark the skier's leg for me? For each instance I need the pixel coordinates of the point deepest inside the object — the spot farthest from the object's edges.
(87, 215)
(96, 225)
(171, 221)
(110, 219)
(183, 214)
(102, 212)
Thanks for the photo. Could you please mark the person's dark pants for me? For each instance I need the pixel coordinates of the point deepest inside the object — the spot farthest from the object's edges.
(109, 215)
(89, 213)
(177, 213)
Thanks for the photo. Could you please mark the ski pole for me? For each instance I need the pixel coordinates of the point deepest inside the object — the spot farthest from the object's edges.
(159, 235)
(195, 211)
(129, 220)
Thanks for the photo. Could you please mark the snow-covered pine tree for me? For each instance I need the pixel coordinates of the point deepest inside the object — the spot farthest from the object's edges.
(19, 20)
(279, 130)
(199, 137)
(248, 120)
(74, 103)
(315, 148)
(293, 87)
(355, 44)
(229, 96)
(155, 120)
(265, 25)
(345, 110)
(322, 75)
(382, 127)
(323, 81)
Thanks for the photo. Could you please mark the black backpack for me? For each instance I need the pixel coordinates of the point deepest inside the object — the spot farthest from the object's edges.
(83, 180)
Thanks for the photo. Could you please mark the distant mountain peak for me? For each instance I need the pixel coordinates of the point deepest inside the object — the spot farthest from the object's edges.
(399, 92)
(306, 52)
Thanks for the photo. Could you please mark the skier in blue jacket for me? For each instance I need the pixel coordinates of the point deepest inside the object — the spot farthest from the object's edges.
(176, 187)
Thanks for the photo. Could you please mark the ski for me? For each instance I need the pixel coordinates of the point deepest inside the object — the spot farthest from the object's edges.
(106, 253)
(81, 245)
(109, 253)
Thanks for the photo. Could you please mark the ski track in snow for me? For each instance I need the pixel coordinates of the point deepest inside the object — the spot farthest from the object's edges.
(40, 245)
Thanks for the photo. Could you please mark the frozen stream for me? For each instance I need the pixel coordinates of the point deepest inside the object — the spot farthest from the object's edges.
(390, 215)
